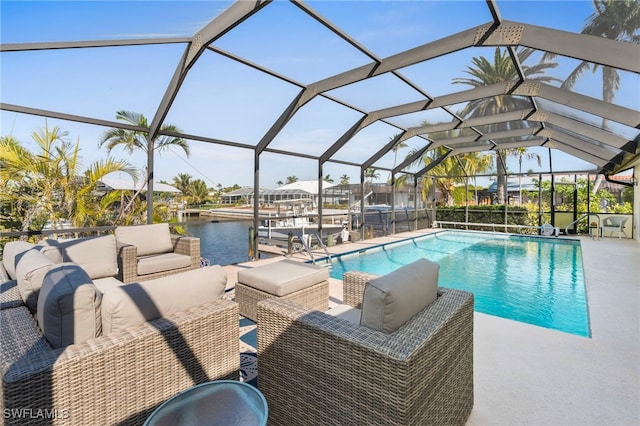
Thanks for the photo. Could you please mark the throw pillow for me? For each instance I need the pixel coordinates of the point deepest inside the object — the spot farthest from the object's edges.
(11, 254)
(69, 306)
(391, 300)
(30, 271)
(148, 239)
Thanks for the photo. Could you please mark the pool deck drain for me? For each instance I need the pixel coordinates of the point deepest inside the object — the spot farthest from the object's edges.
(529, 375)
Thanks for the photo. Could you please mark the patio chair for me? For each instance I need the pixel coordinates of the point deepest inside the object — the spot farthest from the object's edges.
(146, 252)
(319, 369)
(614, 224)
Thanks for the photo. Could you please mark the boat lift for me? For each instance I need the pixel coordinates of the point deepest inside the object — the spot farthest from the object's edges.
(306, 241)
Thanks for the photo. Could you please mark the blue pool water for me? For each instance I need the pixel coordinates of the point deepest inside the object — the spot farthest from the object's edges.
(528, 279)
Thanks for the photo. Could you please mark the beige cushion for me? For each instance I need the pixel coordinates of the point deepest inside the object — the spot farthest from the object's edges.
(50, 249)
(10, 255)
(132, 304)
(283, 277)
(102, 284)
(98, 256)
(30, 272)
(162, 262)
(148, 239)
(346, 312)
(69, 306)
(391, 300)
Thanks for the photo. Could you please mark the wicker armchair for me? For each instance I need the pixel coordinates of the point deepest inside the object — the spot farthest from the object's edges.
(130, 258)
(119, 378)
(316, 369)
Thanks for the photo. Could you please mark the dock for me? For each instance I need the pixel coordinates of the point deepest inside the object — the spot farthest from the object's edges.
(220, 214)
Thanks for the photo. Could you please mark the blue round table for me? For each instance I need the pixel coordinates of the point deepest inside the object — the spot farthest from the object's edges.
(222, 402)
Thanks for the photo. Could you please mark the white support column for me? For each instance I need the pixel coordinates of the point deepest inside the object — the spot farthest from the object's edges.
(636, 203)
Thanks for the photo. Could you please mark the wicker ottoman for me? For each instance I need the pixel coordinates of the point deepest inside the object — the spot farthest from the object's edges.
(300, 282)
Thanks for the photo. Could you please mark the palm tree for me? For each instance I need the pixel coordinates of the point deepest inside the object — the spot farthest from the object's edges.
(182, 182)
(198, 191)
(19, 179)
(613, 19)
(48, 185)
(523, 154)
(484, 73)
(451, 170)
(133, 140)
(328, 178)
(474, 163)
(371, 173)
(448, 172)
(292, 179)
(93, 210)
(218, 193)
(344, 179)
(395, 149)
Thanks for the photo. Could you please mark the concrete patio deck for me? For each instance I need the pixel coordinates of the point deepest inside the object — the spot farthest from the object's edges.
(528, 375)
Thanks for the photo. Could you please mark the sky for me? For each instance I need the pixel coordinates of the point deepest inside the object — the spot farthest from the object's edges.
(225, 100)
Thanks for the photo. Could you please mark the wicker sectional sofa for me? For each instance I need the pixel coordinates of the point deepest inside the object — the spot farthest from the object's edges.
(117, 350)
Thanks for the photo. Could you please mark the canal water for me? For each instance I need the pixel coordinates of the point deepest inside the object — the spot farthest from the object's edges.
(223, 243)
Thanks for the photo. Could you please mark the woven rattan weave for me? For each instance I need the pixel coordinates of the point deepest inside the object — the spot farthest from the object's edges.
(315, 297)
(116, 379)
(316, 369)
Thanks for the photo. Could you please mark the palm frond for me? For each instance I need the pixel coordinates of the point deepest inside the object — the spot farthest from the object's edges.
(571, 79)
(134, 118)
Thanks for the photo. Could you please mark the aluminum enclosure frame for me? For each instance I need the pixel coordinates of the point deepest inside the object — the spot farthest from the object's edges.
(600, 146)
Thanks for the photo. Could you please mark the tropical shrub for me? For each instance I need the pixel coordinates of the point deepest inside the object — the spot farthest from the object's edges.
(48, 185)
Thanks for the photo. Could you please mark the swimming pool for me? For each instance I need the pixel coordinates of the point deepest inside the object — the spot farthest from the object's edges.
(534, 280)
